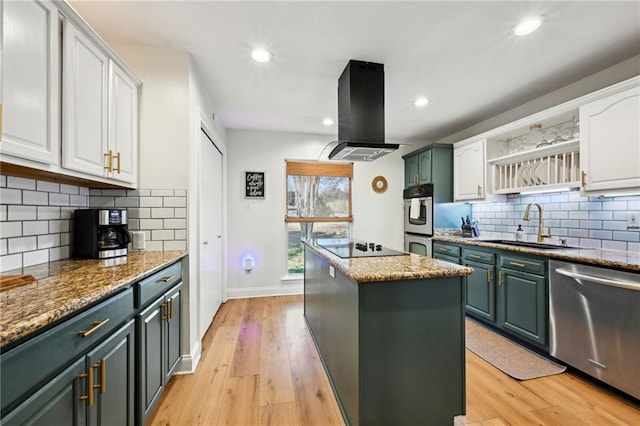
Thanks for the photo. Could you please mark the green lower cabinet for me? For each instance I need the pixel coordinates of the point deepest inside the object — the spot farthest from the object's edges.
(107, 372)
(56, 403)
(446, 258)
(523, 305)
(159, 348)
(480, 290)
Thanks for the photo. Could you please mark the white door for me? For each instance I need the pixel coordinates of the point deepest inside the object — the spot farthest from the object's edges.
(210, 285)
(468, 171)
(123, 125)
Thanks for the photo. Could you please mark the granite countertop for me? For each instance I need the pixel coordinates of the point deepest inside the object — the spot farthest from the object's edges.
(391, 268)
(599, 257)
(65, 286)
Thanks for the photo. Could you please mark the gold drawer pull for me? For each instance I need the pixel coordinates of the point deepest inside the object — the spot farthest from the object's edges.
(500, 278)
(446, 250)
(109, 165)
(166, 279)
(583, 179)
(96, 325)
(489, 277)
(165, 308)
(521, 265)
(89, 396)
(475, 256)
(102, 365)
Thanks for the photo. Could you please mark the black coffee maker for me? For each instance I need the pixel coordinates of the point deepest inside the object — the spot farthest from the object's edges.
(100, 233)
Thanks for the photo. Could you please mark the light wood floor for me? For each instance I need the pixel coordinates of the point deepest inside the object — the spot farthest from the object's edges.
(259, 367)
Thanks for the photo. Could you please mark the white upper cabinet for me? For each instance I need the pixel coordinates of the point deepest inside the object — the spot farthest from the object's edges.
(30, 81)
(85, 104)
(610, 143)
(123, 126)
(469, 170)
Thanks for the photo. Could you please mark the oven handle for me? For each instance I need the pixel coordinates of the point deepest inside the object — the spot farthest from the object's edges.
(598, 280)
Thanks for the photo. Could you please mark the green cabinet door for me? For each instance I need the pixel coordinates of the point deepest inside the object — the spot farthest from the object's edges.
(411, 171)
(57, 403)
(523, 305)
(173, 332)
(113, 371)
(150, 371)
(480, 290)
(446, 258)
(424, 167)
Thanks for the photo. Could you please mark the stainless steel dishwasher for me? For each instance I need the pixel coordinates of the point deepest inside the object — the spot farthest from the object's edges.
(594, 322)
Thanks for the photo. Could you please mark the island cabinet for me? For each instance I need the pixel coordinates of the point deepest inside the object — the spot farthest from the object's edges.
(78, 372)
(158, 325)
(393, 350)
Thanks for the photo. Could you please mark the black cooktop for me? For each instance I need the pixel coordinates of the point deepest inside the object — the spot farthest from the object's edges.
(351, 247)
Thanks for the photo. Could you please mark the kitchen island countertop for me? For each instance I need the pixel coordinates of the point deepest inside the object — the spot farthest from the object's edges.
(390, 268)
(609, 258)
(66, 286)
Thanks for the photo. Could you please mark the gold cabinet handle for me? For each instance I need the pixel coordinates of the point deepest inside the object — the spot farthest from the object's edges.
(89, 396)
(583, 179)
(518, 264)
(166, 279)
(109, 165)
(165, 309)
(489, 277)
(170, 309)
(500, 278)
(117, 170)
(96, 325)
(479, 190)
(102, 365)
(475, 256)
(446, 250)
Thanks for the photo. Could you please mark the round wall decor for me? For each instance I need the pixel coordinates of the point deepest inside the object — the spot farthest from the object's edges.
(379, 184)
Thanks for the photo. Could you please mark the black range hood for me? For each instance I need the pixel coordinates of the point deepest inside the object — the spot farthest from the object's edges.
(361, 113)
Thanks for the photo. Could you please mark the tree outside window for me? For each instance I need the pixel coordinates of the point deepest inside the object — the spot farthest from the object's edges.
(318, 205)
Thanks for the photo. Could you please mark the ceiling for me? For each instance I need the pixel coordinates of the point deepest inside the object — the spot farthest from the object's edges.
(461, 55)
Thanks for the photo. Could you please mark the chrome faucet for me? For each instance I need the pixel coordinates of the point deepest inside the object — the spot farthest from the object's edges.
(541, 234)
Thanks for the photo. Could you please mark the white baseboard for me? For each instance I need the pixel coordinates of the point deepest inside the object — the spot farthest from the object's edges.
(289, 289)
(189, 362)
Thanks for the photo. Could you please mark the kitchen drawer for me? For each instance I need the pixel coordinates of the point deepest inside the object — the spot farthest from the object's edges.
(38, 359)
(526, 264)
(447, 249)
(478, 255)
(157, 284)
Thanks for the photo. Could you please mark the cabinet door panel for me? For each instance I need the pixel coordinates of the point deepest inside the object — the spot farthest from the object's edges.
(424, 167)
(150, 331)
(123, 125)
(610, 142)
(468, 171)
(480, 288)
(86, 73)
(410, 170)
(173, 333)
(57, 403)
(115, 357)
(523, 305)
(30, 81)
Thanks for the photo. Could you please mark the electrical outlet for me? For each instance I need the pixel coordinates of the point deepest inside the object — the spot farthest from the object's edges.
(633, 221)
(138, 240)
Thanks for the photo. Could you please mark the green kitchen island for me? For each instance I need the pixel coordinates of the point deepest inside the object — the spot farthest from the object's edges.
(390, 333)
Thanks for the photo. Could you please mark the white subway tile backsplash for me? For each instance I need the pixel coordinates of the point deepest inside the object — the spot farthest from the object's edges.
(175, 201)
(569, 206)
(35, 257)
(95, 191)
(582, 214)
(3, 246)
(151, 224)
(21, 183)
(162, 213)
(614, 245)
(57, 226)
(162, 235)
(78, 200)
(134, 224)
(578, 233)
(150, 201)
(58, 199)
(65, 238)
(180, 193)
(67, 212)
(140, 213)
(162, 192)
(559, 215)
(3, 181)
(12, 261)
(591, 224)
(614, 205)
(48, 212)
(590, 243)
(626, 236)
(22, 244)
(69, 189)
(35, 198)
(58, 253)
(138, 192)
(95, 201)
(83, 191)
(45, 186)
(601, 215)
(175, 245)
(10, 229)
(49, 241)
(3, 212)
(181, 234)
(124, 202)
(114, 192)
(19, 212)
(35, 227)
(600, 234)
(633, 247)
(154, 246)
(10, 196)
(590, 205)
(615, 225)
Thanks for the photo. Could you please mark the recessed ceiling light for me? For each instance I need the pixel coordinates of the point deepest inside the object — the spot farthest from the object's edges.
(421, 101)
(327, 122)
(261, 55)
(527, 26)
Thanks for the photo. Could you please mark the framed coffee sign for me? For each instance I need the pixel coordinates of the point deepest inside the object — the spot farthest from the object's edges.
(253, 184)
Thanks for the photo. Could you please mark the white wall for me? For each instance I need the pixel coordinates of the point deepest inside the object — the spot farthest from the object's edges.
(257, 227)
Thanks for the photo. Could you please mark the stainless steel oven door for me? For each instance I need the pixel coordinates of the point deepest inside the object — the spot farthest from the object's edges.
(421, 222)
(418, 244)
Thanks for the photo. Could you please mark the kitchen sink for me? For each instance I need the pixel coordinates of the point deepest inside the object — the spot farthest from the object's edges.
(541, 246)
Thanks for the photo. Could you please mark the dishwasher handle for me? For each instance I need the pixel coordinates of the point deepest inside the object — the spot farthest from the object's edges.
(599, 280)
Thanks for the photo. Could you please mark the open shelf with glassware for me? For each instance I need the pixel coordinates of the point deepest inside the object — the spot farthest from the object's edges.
(547, 167)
